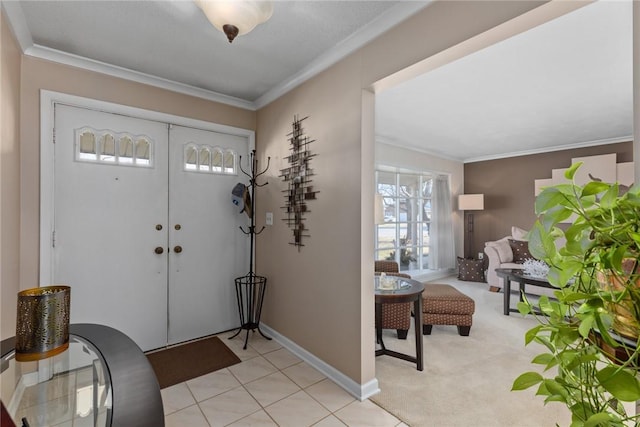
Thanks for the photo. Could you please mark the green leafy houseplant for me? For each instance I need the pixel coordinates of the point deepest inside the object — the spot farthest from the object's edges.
(590, 328)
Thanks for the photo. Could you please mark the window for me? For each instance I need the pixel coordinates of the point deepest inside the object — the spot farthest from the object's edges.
(191, 157)
(402, 234)
(115, 148)
(216, 162)
(203, 158)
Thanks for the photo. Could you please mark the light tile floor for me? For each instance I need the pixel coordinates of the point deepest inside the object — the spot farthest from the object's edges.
(269, 387)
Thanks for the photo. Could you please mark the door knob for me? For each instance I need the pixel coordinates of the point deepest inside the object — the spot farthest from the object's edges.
(177, 249)
(159, 250)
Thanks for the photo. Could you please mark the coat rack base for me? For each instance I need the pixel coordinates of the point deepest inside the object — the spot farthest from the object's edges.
(250, 296)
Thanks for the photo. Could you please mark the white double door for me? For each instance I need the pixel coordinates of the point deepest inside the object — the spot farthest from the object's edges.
(149, 245)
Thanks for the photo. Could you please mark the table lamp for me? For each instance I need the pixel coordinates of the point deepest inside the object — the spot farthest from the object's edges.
(470, 202)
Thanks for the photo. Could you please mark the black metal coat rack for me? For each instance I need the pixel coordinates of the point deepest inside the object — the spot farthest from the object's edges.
(250, 288)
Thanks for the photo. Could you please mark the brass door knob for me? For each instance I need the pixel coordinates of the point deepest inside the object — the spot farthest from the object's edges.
(159, 250)
(177, 249)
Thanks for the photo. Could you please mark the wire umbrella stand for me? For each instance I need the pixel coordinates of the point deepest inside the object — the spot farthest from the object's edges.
(250, 288)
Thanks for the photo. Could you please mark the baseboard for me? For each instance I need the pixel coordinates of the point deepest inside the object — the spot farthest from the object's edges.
(359, 391)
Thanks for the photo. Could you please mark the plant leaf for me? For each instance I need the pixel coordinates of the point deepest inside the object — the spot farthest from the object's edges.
(601, 418)
(524, 308)
(526, 380)
(594, 187)
(549, 198)
(609, 198)
(542, 359)
(617, 256)
(620, 383)
(531, 334)
(570, 173)
(556, 389)
(542, 390)
(585, 325)
(555, 398)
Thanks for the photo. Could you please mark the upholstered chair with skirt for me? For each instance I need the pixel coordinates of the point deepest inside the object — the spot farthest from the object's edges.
(394, 316)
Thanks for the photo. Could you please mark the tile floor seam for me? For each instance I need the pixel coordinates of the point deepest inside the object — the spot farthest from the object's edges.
(203, 415)
(323, 405)
(275, 401)
(248, 415)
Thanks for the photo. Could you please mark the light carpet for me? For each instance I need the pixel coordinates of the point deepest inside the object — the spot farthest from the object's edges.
(467, 380)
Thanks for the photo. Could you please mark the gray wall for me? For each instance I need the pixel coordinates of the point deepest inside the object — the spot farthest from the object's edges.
(508, 187)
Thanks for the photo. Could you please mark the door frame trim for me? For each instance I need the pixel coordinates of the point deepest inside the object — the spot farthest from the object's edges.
(48, 99)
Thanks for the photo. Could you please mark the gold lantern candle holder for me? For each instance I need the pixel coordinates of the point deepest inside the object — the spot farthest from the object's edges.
(42, 326)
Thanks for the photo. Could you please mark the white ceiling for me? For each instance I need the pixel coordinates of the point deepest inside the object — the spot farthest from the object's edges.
(565, 83)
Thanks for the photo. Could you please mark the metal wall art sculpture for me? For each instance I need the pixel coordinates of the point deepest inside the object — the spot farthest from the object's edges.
(298, 177)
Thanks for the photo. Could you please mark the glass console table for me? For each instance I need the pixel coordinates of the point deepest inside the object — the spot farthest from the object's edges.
(102, 379)
(72, 387)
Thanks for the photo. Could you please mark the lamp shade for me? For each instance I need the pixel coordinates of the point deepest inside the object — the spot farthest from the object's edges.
(236, 17)
(42, 324)
(471, 202)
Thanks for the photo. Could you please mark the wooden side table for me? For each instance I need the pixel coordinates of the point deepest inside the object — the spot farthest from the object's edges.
(406, 290)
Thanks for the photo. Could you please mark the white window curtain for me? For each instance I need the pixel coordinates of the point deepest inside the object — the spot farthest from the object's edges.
(442, 248)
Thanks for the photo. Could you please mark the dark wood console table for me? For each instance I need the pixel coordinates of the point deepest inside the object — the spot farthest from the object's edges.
(407, 290)
(121, 387)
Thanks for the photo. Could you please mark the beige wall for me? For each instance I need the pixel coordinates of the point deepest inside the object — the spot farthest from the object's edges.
(315, 291)
(9, 178)
(509, 191)
(320, 297)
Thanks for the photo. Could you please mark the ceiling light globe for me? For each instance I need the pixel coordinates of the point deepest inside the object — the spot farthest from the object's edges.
(244, 15)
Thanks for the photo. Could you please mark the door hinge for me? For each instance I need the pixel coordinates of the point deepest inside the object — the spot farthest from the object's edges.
(53, 238)
(54, 135)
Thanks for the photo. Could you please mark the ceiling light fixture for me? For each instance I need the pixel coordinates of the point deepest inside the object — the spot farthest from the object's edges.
(236, 17)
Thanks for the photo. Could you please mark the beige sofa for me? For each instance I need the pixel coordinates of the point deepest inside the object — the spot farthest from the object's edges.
(500, 255)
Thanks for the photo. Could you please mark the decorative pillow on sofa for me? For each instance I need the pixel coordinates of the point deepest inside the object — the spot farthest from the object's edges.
(518, 233)
(471, 270)
(503, 248)
(520, 249)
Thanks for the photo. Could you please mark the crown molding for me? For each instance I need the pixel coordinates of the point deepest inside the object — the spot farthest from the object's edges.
(18, 23)
(364, 35)
(58, 56)
(627, 138)
(400, 144)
